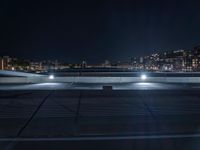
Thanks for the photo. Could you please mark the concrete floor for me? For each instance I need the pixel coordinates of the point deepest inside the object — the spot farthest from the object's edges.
(95, 86)
(99, 119)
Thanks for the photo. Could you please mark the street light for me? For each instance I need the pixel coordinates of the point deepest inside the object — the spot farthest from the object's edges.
(143, 77)
(51, 77)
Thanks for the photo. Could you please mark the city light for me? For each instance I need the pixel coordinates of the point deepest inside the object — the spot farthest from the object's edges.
(143, 77)
(51, 77)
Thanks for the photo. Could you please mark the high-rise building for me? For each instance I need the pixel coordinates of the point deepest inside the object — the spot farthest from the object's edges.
(1, 64)
(196, 59)
(5, 63)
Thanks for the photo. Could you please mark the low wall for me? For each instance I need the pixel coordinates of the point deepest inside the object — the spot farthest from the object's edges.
(18, 74)
(13, 80)
(45, 79)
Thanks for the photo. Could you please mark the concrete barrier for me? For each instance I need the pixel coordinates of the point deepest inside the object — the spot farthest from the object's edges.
(16, 80)
(18, 74)
(45, 79)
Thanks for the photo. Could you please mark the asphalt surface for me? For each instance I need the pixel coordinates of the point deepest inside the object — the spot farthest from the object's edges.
(100, 119)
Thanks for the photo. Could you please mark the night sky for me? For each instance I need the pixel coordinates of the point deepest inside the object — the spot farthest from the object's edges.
(75, 30)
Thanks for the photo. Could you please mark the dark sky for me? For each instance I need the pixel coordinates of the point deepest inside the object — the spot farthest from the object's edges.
(75, 30)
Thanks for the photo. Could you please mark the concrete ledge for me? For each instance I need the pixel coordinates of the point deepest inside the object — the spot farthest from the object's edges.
(18, 74)
(13, 80)
(45, 79)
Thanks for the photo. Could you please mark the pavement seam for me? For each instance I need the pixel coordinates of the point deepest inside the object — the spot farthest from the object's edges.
(78, 107)
(14, 141)
(33, 114)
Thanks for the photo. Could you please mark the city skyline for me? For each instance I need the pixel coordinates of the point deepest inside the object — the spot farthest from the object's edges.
(70, 60)
(174, 60)
(100, 61)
